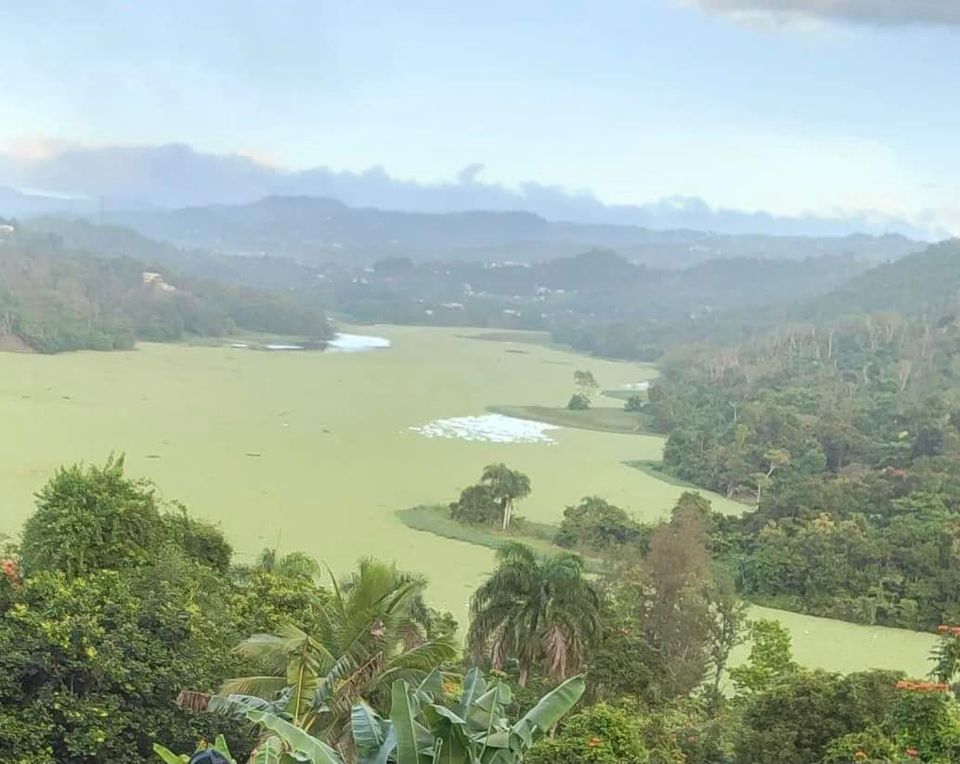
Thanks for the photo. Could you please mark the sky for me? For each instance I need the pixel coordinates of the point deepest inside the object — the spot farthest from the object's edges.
(828, 107)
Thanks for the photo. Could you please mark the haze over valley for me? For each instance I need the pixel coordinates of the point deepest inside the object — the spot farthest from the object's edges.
(480, 384)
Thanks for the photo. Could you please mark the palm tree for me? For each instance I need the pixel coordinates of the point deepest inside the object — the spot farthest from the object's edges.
(370, 633)
(507, 486)
(534, 609)
(290, 565)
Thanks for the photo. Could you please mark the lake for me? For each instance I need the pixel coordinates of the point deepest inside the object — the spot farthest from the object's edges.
(316, 451)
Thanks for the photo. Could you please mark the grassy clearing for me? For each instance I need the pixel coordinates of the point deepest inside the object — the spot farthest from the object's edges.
(602, 419)
(655, 469)
(515, 336)
(436, 519)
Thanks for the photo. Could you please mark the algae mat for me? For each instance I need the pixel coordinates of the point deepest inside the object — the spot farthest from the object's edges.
(314, 451)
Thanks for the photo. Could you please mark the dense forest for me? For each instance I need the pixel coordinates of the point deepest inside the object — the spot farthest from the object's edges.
(127, 628)
(845, 435)
(924, 283)
(54, 298)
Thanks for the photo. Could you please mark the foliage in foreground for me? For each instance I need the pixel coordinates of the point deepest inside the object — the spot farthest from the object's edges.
(538, 611)
(101, 630)
(468, 727)
(372, 630)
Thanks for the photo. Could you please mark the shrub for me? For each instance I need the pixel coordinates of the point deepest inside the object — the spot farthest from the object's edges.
(477, 505)
(600, 734)
(91, 519)
(596, 526)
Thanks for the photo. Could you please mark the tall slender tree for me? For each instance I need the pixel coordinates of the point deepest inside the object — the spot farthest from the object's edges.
(507, 486)
(537, 610)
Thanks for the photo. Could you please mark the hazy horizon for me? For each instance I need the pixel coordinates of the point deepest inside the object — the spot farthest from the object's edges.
(793, 116)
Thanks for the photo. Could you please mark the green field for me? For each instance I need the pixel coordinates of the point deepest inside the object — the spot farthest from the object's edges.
(436, 520)
(603, 418)
(313, 451)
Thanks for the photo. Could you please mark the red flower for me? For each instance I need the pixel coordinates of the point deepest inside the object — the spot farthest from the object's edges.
(10, 572)
(912, 686)
(912, 753)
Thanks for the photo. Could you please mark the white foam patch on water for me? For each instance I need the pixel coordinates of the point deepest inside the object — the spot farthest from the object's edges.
(283, 347)
(489, 428)
(356, 343)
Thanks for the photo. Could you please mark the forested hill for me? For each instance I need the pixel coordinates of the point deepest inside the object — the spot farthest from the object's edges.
(756, 298)
(314, 229)
(926, 282)
(54, 299)
(118, 241)
(845, 433)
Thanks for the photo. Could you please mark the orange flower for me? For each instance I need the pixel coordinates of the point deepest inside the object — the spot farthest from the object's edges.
(912, 753)
(594, 742)
(860, 755)
(912, 686)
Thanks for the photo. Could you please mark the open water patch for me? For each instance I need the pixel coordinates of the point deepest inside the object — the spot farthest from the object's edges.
(356, 343)
(340, 343)
(488, 428)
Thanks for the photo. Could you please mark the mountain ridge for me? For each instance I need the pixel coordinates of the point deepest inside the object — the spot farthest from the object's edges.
(316, 229)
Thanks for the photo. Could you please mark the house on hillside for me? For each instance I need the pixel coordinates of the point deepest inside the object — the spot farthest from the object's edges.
(155, 281)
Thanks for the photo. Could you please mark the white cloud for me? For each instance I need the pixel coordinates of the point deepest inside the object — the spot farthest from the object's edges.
(877, 12)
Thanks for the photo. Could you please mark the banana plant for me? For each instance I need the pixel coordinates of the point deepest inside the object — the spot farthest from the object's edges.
(473, 729)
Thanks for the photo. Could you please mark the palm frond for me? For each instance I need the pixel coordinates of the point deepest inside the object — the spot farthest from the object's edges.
(237, 706)
(260, 686)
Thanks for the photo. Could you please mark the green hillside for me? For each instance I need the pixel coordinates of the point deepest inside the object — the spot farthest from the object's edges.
(927, 282)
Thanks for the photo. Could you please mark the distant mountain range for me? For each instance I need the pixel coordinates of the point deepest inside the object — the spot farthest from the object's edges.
(313, 230)
(176, 175)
